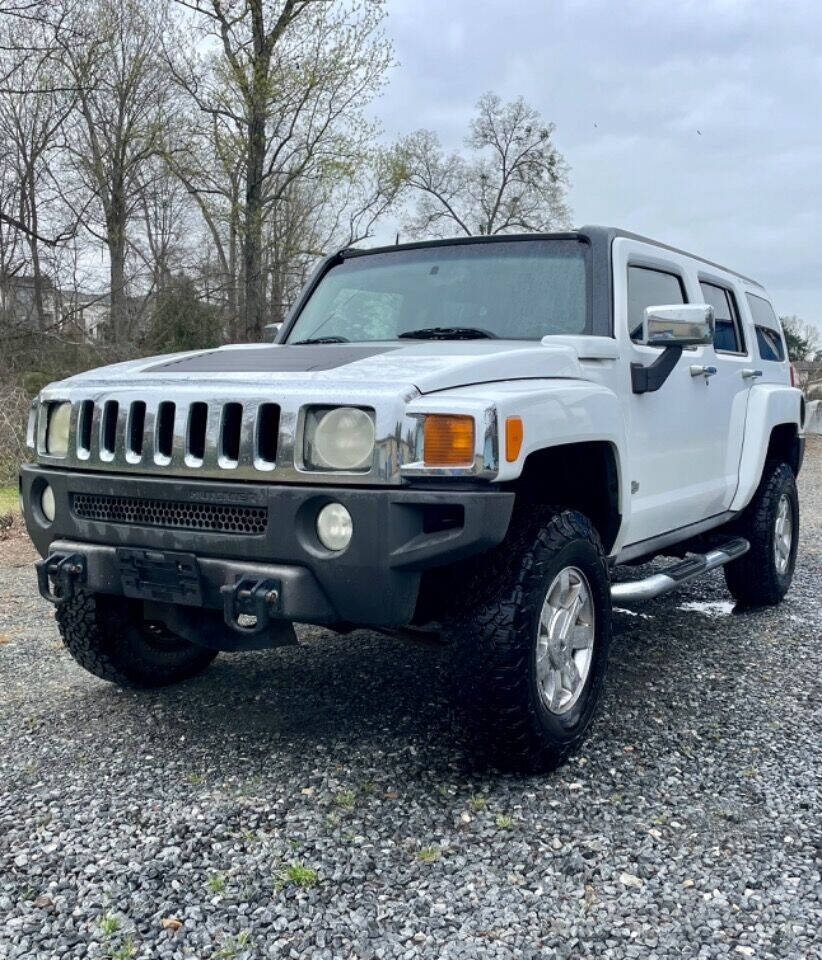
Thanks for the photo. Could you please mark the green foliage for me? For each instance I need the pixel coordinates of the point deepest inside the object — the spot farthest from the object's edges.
(429, 854)
(216, 882)
(181, 321)
(109, 925)
(33, 382)
(297, 874)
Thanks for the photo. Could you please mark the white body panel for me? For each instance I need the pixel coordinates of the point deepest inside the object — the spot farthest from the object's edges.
(686, 454)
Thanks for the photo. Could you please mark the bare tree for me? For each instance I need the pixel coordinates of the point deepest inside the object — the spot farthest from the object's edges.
(514, 179)
(290, 75)
(30, 125)
(111, 55)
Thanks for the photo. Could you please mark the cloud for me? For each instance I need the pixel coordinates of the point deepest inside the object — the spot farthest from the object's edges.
(695, 123)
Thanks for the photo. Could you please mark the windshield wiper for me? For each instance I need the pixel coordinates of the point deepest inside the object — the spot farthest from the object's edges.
(448, 333)
(323, 340)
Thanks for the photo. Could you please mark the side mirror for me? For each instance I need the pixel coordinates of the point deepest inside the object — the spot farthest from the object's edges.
(271, 331)
(679, 324)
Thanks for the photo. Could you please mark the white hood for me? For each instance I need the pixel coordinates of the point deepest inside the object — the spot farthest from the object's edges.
(426, 367)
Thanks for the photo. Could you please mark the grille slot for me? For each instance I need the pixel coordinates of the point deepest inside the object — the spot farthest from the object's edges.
(268, 427)
(197, 421)
(136, 425)
(171, 514)
(84, 420)
(230, 433)
(165, 429)
(108, 428)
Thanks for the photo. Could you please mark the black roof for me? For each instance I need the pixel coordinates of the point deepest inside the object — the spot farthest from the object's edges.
(600, 235)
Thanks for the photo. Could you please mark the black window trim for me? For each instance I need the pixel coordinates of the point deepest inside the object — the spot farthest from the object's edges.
(672, 272)
(733, 303)
(595, 323)
(775, 330)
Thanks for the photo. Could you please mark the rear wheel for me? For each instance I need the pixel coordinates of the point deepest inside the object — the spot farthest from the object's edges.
(531, 638)
(771, 525)
(109, 637)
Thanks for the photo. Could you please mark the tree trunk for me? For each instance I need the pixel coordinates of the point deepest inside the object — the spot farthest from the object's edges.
(116, 240)
(37, 273)
(252, 239)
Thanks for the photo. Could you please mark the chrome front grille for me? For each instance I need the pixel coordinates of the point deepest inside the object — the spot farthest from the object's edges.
(213, 429)
(149, 434)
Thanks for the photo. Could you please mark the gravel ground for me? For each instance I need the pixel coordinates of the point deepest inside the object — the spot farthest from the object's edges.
(316, 802)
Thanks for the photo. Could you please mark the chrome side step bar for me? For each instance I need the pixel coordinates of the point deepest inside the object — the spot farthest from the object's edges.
(658, 583)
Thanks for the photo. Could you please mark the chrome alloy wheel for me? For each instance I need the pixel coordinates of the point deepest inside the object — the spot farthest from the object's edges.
(565, 640)
(783, 534)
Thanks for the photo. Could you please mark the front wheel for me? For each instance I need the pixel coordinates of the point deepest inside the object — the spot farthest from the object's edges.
(770, 524)
(531, 637)
(109, 637)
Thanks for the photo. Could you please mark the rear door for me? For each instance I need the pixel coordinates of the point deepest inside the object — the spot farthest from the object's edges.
(729, 388)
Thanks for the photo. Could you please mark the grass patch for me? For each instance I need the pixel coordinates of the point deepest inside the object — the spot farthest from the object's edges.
(9, 500)
(216, 882)
(297, 874)
(477, 802)
(125, 951)
(233, 945)
(503, 821)
(109, 925)
(347, 799)
(429, 854)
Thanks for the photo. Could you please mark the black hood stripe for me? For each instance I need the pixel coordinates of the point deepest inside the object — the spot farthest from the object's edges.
(285, 359)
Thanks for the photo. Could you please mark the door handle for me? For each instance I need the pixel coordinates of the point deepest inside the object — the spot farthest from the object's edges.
(750, 374)
(698, 370)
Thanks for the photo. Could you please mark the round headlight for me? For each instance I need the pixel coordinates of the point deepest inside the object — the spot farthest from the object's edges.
(342, 439)
(57, 430)
(334, 526)
(47, 503)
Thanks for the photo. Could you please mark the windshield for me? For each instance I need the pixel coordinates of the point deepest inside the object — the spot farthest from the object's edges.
(523, 290)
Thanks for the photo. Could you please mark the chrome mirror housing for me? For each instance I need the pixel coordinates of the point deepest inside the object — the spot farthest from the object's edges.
(678, 324)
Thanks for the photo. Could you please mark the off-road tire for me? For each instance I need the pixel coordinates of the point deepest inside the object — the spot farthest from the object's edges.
(493, 632)
(108, 637)
(754, 579)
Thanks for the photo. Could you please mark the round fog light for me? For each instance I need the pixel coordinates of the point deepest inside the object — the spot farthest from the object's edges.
(334, 526)
(47, 503)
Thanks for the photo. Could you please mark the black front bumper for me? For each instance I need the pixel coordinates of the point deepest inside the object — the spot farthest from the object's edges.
(398, 532)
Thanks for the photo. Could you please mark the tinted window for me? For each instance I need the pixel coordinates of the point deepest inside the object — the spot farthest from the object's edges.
(768, 331)
(727, 332)
(523, 289)
(650, 288)
(770, 344)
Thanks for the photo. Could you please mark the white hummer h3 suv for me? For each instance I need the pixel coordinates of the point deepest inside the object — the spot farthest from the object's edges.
(464, 436)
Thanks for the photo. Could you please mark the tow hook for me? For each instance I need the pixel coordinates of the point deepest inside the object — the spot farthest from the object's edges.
(250, 598)
(66, 571)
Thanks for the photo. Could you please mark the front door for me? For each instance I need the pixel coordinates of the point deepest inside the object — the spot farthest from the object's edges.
(686, 437)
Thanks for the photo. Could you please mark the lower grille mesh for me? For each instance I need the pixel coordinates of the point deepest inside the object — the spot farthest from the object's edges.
(173, 514)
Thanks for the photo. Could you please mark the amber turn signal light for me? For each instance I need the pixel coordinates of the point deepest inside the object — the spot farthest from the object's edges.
(513, 438)
(448, 441)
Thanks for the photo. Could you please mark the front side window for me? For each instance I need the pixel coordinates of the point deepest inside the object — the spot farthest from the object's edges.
(727, 330)
(648, 287)
(521, 290)
(768, 335)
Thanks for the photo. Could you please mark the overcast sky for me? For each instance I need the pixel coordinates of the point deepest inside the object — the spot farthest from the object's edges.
(696, 123)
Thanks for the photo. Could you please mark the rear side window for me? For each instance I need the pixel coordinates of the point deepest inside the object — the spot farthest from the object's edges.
(768, 334)
(770, 344)
(728, 336)
(650, 288)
